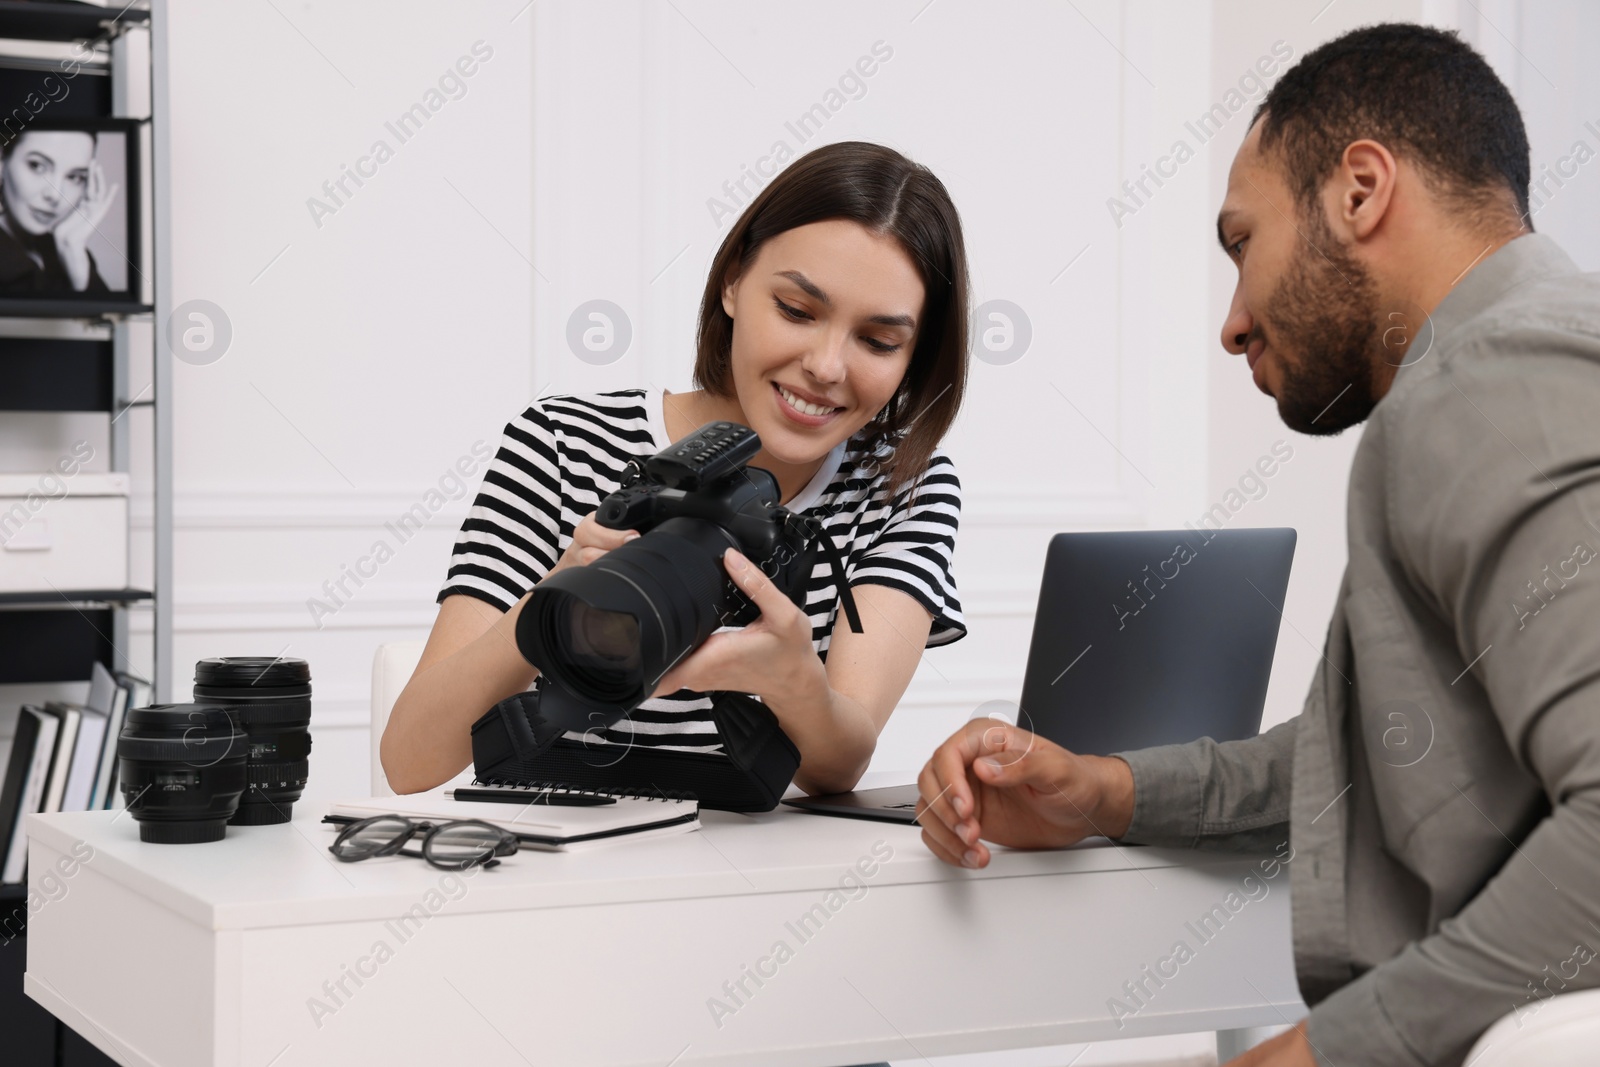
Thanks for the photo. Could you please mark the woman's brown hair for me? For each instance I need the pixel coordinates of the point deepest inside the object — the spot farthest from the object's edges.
(890, 195)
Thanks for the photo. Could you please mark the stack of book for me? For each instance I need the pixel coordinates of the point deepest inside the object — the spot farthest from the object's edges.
(64, 758)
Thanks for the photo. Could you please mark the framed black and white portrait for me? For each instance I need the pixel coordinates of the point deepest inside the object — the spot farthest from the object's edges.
(69, 241)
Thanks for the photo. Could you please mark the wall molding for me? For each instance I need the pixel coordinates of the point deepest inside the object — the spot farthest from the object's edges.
(298, 509)
(327, 713)
(259, 609)
(354, 712)
(265, 609)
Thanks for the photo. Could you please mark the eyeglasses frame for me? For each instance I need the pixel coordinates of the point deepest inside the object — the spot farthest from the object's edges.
(505, 845)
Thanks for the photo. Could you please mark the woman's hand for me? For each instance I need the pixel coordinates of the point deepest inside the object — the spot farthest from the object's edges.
(773, 654)
(72, 234)
(590, 541)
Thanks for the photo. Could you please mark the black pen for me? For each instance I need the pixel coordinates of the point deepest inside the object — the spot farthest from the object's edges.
(530, 796)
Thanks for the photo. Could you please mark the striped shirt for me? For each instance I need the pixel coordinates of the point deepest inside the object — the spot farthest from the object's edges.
(564, 454)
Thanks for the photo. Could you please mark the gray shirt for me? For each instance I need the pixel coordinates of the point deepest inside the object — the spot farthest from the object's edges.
(1441, 788)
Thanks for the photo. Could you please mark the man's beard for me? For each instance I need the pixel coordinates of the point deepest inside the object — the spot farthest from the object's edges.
(1325, 313)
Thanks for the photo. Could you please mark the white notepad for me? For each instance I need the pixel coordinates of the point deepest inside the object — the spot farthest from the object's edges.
(538, 825)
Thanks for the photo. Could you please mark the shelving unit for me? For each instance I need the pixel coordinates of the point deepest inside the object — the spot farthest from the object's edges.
(55, 635)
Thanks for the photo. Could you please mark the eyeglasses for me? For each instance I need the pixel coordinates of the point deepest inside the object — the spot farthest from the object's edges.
(453, 846)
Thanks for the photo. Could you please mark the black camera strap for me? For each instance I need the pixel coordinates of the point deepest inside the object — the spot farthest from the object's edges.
(820, 537)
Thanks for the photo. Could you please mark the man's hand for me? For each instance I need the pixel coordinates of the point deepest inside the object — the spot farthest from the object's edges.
(1288, 1049)
(994, 782)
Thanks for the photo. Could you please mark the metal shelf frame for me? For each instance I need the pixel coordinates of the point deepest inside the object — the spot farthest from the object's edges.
(137, 74)
(161, 261)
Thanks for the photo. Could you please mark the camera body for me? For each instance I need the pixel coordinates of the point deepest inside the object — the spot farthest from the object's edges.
(604, 635)
(705, 477)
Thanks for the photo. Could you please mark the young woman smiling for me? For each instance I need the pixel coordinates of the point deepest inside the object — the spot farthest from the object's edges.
(834, 323)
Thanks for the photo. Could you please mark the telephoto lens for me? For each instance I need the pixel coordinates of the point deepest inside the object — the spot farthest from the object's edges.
(604, 635)
(272, 699)
(182, 769)
(607, 632)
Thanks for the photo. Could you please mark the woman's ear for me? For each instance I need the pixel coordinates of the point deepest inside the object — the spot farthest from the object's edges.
(730, 293)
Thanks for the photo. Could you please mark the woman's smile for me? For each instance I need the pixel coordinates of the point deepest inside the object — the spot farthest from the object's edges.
(805, 409)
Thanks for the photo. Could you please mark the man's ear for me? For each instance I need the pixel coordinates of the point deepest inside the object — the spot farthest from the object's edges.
(730, 290)
(1365, 180)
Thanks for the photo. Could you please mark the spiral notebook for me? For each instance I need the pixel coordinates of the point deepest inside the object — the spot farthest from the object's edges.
(554, 820)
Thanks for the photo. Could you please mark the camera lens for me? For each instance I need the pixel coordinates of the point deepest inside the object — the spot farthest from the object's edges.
(604, 645)
(272, 699)
(182, 769)
(605, 633)
(607, 639)
(599, 660)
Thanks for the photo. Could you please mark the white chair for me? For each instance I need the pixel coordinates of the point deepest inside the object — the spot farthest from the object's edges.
(1548, 1033)
(392, 667)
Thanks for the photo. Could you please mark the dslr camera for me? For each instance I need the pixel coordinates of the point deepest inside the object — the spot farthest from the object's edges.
(603, 635)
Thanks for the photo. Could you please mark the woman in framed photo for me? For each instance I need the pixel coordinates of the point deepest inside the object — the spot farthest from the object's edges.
(834, 324)
(53, 195)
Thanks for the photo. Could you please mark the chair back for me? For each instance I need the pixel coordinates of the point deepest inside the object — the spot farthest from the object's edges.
(1558, 1030)
(392, 667)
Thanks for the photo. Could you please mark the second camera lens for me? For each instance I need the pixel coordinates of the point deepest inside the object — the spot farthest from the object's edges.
(272, 699)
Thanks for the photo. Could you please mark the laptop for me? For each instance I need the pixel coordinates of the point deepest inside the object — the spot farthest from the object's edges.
(1142, 638)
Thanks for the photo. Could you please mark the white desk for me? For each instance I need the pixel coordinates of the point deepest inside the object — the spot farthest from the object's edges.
(179, 955)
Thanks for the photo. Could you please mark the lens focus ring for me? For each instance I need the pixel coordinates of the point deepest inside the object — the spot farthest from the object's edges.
(280, 775)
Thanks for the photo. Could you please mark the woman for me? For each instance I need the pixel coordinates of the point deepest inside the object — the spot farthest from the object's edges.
(53, 194)
(834, 323)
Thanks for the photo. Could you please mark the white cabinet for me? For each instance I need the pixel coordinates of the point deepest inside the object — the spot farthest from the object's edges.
(63, 533)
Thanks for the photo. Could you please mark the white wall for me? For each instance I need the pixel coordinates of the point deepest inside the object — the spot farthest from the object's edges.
(371, 346)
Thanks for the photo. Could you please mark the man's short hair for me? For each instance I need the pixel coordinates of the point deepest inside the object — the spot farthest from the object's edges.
(1422, 93)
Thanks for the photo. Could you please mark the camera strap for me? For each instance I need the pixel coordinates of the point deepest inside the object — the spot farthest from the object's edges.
(819, 536)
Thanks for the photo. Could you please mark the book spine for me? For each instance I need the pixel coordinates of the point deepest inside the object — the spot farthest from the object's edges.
(16, 860)
(11, 793)
(56, 785)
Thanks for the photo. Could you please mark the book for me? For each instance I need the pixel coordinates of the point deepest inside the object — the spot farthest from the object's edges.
(138, 693)
(101, 686)
(32, 750)
(61, 760)
(105, 779)
(11, 787)
(85, 760)
(551, 827)
(138, 689)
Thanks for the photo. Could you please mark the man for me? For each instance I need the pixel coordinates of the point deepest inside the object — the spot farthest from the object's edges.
(1441, 787)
